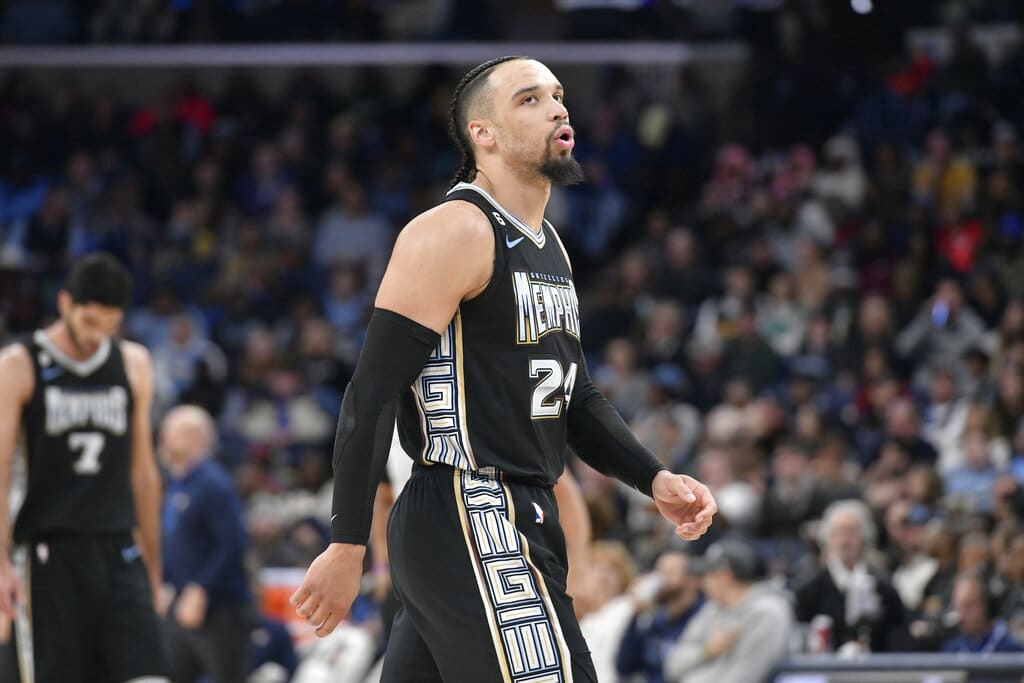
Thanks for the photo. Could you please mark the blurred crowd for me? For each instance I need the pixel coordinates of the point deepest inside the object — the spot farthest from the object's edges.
(827, 308)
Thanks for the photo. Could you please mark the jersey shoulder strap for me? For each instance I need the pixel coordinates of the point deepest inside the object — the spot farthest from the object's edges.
(497, 227)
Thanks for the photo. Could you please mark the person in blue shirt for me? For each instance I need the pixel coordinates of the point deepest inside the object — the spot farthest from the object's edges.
(210, 613)
(979, 630)
(660, 617)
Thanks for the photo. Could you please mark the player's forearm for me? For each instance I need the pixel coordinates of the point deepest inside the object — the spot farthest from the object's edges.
(146, 492)
(393, 355)
(575, 521)
(6, 465)
(602, 439)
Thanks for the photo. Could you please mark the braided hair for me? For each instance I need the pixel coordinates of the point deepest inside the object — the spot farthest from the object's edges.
(458, 114)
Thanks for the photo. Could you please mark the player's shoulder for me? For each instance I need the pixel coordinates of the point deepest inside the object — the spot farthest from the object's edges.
(16, 373)
(134, 352)
(15, 358)
(138, 366)
(452, 224)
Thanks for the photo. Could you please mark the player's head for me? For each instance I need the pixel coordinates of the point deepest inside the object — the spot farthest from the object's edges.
(511, 108)
(187, 434)
(93, 303)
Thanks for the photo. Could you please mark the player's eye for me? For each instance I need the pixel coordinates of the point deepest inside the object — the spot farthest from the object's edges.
(529, 99)
(559, 97)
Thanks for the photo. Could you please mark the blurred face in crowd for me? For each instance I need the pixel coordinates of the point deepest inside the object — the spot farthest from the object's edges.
(1015, 559)
(845, 541)
(674, 569)
(974, 553)
(186, 433)
(523, 120)
(88, 324)
(943, 387)
(901, 419)
(969, 603)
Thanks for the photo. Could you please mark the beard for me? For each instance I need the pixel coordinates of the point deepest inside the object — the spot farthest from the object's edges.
(564, 171)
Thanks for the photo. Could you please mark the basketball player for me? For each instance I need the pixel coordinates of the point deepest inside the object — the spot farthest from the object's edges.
(474, 343)
(81, 586)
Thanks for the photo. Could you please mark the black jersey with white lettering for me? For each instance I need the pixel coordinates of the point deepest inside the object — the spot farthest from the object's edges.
(495, 392)
(77, 435)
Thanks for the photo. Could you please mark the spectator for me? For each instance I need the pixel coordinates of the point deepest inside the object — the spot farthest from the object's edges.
(741, 631)
(866, 611)
(350, 230)
(942, 179)
(980, 631)
(943, 330)
(606, 608)
(944, 417)
(970, 485)
(664, 600)
(209, 610)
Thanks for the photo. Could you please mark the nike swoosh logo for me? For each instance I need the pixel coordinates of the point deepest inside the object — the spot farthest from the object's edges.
(512, 243)
(50, 374)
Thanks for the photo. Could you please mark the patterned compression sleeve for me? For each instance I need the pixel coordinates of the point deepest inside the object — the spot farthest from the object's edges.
(394, 353)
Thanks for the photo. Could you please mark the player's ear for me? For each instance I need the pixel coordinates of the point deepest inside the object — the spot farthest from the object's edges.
(481, 132)
(64, 302)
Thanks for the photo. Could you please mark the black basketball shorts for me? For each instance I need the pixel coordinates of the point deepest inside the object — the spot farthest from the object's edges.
(479, 565)
(89, 617)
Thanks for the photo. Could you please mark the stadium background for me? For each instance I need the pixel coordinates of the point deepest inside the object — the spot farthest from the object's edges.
(799, 248)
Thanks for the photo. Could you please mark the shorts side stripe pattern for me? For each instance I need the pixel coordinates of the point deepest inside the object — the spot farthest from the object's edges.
(527, 637)
(23, 618)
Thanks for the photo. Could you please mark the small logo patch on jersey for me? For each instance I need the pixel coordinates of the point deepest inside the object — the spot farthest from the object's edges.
(497, 217)
(513, 243)
(50, 374)
(538, 514)
(130, 554)
(44, 359)
(43, 553)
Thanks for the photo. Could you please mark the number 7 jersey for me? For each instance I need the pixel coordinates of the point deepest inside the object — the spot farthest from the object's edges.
(495, 393)
(77, 434)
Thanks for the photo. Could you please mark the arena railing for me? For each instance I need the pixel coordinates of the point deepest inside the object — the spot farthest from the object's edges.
(902, 668)
(354, 54)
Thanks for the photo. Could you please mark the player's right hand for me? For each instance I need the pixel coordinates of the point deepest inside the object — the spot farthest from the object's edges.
(11, 590)
(330, 586)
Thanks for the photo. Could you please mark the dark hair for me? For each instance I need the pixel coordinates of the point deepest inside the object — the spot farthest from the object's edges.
(100, 279)
(458, 115)
(989, 597)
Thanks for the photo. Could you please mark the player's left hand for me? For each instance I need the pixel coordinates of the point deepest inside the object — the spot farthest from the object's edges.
(685, 502)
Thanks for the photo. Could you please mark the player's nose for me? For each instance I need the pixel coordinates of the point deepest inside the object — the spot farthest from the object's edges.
(559, 112)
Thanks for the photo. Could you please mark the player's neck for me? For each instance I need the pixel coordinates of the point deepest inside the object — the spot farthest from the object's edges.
(526, 198)
(60, 335)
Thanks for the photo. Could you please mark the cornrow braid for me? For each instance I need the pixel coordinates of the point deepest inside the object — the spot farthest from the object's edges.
(457, 118)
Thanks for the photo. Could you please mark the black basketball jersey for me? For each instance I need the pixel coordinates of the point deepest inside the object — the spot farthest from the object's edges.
(495, 392)
(77, 434)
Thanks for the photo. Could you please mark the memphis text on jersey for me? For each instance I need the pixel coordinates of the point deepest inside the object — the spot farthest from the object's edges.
(544, 303)
(102, 408)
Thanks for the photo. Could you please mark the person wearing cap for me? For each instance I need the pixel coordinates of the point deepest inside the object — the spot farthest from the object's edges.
(744, 627)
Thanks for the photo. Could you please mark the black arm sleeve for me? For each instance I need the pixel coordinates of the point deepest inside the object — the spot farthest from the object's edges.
(601, 438)
(392, 357)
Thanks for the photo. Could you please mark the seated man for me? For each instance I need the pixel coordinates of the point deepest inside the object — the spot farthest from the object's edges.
(979, 630)
(866, 610)
(660, 616)
(742, 630)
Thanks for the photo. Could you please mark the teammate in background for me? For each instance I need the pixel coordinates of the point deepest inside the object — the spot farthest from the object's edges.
(474, 344)
(81, 586)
